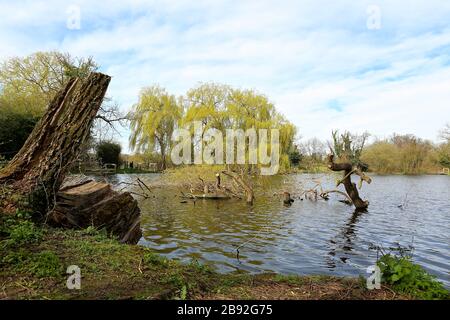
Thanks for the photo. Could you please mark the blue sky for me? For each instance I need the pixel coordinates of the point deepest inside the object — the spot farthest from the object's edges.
(317, 61)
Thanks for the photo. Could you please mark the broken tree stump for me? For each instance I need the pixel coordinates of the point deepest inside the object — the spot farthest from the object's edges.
(38, 170)
(350, 187)
(96, 204)
(56, 140)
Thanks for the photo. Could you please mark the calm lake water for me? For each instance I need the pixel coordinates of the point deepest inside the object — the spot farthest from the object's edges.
(323, 237)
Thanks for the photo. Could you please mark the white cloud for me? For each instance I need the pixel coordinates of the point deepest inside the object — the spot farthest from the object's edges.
(302, 54)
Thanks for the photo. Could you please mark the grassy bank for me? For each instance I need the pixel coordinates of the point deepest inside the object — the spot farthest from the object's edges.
(33, 263)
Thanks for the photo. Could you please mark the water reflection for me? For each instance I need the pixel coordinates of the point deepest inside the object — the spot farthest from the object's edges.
(343, 242)
(323, 237)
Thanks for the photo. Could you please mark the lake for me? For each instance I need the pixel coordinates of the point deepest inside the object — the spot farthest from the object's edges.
(309, 237)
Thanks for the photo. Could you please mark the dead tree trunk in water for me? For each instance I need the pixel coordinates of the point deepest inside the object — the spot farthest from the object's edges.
(38, 170)
(350, 187)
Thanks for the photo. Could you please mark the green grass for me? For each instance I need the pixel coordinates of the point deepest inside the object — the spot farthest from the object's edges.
(25, 232)
(41, 264)
(33, 260)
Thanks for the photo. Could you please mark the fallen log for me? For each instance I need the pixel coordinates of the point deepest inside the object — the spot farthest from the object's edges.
(207, 196)
(96, 204)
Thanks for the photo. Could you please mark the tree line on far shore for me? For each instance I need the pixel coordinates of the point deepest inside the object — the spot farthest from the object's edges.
(398, 154)
(27, 85)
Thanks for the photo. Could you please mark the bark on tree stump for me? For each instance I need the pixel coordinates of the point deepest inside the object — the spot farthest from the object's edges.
(39, 168)
(56, 139)
(96, 204)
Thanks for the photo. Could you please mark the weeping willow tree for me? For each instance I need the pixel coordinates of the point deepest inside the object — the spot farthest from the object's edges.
(214, 106)
(207, 103)
(222, 107)
(153, 121)
(249, 109)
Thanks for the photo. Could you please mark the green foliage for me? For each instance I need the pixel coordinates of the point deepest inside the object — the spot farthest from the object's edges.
(191, 173)
(295, 156)
(42, 264)
(404, 154)
(108, 152)
(413, 152)
(348, 146)
(45, 264)
(15, 127)
(98, 234)
(15, 258)
(24, 232)
(443, 155)
(291, 279)
(175, 279)
(151, 258)
(215, 106)
(27, 85)
(406, 277)
(154, 119)
(183, 292)
(382, 157)
(31, 82)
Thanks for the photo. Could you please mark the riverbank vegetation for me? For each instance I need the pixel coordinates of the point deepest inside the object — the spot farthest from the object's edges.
(406, 277)
(34, 260)
(398, 154)
(28, 84)
(34, 256)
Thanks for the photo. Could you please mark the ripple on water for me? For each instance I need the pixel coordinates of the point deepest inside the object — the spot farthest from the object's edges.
(308, 237)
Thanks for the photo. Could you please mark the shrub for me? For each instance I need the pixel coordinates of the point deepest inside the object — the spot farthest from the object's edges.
(407, 277)
(295, 157)
(108, 152)
(14, 130)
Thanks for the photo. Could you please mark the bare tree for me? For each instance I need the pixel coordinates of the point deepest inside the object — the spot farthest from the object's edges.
(445, 133)
(313, 148)
(348, 146)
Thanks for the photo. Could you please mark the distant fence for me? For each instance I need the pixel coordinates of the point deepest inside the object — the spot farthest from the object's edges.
(108, 168)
